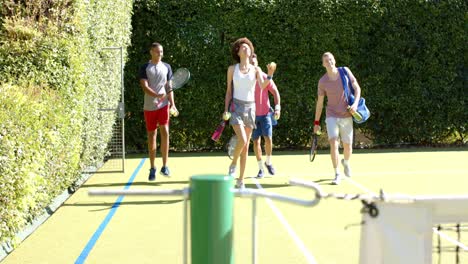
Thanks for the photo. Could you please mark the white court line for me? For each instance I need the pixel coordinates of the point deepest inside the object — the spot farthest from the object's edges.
(418, 172)
(310, 258)
(360, 186)
(449, 239)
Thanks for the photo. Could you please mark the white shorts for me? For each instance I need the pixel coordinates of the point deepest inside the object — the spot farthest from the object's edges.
(340, 127)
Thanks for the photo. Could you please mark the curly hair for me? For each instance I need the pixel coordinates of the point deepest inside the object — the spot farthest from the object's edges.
(236, 46)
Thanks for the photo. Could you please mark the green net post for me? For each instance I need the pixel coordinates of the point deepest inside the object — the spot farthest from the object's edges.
(211, 209)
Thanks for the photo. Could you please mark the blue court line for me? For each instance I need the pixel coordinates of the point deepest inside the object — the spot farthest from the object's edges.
(84, 254)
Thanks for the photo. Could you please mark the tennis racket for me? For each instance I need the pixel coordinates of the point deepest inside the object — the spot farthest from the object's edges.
(231, 146)
(180, 77)
(314, 145)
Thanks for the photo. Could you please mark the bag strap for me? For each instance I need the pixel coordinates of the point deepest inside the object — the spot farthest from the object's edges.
(343, 75)
(350, 85)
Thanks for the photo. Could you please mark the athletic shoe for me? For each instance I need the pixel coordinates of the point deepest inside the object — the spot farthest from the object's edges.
(270, 168)
(165, 171)
(232, 171)
(260, 174)
(152, 174)
(347, 169)
(337, 179)
(240, 184)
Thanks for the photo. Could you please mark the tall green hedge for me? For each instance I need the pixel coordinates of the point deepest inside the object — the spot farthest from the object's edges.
(407, 56)
(55, 78)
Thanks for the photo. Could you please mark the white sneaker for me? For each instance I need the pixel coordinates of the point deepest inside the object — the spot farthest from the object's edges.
(347, 169)
(337, 179)
(232, 171)
(240, 184)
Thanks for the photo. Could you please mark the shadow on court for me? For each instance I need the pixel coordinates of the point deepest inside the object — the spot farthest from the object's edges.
(113, 204)
(137, 183)
(324, 181)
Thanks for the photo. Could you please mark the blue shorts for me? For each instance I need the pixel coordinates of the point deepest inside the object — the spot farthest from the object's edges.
(264, 126)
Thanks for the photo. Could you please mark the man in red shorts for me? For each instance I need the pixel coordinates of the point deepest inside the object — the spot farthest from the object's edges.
(155, 81)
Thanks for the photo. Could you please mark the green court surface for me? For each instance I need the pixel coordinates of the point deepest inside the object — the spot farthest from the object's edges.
(149, 229)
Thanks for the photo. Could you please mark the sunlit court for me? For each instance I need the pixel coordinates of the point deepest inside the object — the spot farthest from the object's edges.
(149, 229)
(233, 132)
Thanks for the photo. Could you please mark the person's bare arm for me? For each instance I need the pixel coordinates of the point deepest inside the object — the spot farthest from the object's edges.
(276, 97)
(170, 96)
(318, 111)
(147, 90)
(271, 70)
(228, 97)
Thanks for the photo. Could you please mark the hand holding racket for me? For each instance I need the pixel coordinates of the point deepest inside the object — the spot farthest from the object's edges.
(180, 77)
(314, 145)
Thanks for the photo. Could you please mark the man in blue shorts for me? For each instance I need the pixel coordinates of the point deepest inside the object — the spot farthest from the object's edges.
(265, 121)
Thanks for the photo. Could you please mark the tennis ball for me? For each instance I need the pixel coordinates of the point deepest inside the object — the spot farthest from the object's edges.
(173, 112)
(226, 116)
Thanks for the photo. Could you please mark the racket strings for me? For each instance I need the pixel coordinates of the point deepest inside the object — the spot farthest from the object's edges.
(180, 77)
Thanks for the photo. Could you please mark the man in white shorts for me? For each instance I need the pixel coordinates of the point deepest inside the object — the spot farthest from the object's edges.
(338, 118)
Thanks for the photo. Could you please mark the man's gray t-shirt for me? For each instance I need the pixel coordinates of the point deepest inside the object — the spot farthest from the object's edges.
(157, 76)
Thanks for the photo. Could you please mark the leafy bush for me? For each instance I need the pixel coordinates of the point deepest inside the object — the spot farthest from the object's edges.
(55, 78)
(407, 56)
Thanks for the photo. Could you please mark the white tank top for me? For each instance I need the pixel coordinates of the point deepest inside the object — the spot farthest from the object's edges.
(244, 84)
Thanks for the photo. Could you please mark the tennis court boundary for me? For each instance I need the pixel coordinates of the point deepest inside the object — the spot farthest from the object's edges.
(310, 258)
(97, 234)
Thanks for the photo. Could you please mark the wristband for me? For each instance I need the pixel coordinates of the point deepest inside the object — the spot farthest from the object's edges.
(317, 122)
(270, 77)
(277, 107)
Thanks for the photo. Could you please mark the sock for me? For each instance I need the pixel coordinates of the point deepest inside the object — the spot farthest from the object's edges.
(337, 170)
(268, 160)
(346, 162)
(260, 165)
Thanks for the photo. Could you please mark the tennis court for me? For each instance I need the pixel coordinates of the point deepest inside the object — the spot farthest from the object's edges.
(148, 229)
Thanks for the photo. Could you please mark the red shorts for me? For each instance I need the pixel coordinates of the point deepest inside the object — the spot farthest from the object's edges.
(156, 118)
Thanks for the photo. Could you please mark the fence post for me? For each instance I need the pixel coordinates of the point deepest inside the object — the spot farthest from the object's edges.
(211, 214)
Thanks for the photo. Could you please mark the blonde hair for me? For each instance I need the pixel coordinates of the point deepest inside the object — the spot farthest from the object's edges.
(327, 54)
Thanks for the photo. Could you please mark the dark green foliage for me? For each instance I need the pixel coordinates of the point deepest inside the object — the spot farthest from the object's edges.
(412, 62)
(407, 56)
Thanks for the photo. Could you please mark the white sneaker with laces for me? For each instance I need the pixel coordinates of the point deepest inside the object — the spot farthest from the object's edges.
(347, 168)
